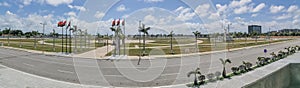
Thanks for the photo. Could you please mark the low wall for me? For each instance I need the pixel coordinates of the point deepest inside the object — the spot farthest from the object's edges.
(286, 77)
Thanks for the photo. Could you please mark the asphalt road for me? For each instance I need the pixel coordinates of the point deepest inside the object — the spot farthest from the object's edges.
(126, 73)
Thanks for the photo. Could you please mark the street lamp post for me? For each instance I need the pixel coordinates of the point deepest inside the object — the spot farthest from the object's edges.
(171, 35)
(228, 28)
(139, 44)
(43, 39)
(20, 35)
(53, 39)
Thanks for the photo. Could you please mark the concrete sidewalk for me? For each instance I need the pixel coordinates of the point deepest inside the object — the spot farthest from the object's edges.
(96, 53)
(10, 78)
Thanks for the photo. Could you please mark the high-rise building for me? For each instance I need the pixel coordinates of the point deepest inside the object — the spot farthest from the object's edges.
(254, 28)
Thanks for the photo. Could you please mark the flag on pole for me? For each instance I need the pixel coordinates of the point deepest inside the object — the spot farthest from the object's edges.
(61, 23)
(69, 24)
(123, 22)
(118, 22)
(113, 23)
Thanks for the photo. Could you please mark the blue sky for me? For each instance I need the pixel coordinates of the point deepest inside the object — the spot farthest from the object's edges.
(181, 16)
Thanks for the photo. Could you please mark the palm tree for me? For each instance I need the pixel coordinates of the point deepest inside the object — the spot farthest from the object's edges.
(171, 35)
(224, 63)
(196, 34)
(195, 73)
(145, 32)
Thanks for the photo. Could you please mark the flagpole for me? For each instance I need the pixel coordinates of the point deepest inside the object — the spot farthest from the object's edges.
(70, 45)
(66, 40)
(62, 39)
(123, 23)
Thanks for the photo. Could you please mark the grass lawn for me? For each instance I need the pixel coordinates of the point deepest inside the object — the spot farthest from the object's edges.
(29, 44)
(175, 41)
(201, 48)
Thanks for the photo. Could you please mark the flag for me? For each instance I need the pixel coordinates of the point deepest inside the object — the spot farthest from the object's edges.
(61, 23)
(113, 23)
(123, 22)
(69, 24)
(118, 22)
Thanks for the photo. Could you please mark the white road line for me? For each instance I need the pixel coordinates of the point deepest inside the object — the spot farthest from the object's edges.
(63, 71)
(28, 64)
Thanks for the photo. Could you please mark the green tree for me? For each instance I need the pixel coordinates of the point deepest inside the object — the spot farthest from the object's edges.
(16, 32)
(6, 31)
(27, 34)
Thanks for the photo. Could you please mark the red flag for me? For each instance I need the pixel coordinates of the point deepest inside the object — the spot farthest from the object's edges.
(123, 22)
(61, 23)
(113, 23)
(118, 22)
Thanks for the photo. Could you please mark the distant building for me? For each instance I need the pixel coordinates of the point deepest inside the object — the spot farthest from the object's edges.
(254, 28)
(289, 30)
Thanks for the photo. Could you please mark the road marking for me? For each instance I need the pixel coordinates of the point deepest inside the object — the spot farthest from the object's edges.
(28, 64)
(63, 71)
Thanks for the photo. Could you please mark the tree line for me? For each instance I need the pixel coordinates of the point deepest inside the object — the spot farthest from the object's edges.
(16, 32)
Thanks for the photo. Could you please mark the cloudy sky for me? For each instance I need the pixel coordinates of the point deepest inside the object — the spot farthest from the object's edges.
(163, 16)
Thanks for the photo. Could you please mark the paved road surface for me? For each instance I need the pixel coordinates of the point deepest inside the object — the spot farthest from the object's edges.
(125, 73)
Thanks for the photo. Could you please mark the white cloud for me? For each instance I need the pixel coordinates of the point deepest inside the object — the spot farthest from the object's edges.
(150, 19)
(203, 10)
(81, 8)
(282, 17)
(221, 8)
(27, 2)
(9, 13)
(241, 10)
(71, 14)
(276, 9)
(259, 7)
(254, 15)
(236, 3)
(152, 1)
(58, 2)
(296, 22)
(214, 16)
(121, 8)
(5, 4)
(292, 8)
(184, 14)
(99, 14)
